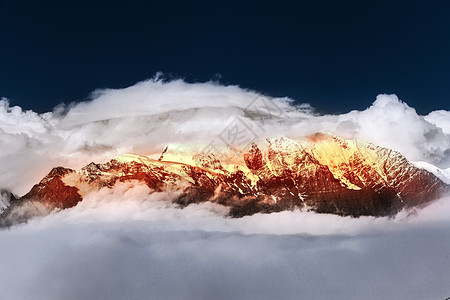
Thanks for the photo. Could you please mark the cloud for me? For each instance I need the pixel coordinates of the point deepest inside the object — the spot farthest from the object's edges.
(441, 119)
(131, 243)
(134, 201)
(145, 117)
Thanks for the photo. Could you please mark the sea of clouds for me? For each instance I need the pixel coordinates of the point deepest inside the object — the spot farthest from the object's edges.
(130, 243)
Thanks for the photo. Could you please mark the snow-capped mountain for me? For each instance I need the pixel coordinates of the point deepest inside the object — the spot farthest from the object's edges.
(322, 173)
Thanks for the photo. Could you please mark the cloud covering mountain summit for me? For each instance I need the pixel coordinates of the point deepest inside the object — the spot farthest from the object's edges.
(111, 243)
(145, 117)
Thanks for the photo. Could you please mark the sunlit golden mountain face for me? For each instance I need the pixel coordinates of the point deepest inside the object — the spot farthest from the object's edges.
(322, 173)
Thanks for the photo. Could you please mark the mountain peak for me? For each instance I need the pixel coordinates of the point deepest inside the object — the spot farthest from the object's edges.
(324, 173)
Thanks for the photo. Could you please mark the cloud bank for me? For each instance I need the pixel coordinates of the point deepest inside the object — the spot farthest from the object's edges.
(147, 116)
(130, 243)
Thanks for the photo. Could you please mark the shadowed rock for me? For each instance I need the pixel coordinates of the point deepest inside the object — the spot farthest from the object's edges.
(322, 173)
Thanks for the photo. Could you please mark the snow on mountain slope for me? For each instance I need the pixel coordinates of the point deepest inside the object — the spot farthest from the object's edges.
(443, 174)
(322, 173)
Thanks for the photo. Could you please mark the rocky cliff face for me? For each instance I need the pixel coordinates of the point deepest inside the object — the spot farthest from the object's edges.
(5, 199)
(322, 173)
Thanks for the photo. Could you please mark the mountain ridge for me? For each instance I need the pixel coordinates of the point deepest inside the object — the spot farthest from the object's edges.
(323, 173)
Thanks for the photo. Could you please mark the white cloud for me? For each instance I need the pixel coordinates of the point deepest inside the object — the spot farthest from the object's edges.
(145, 117)
(441, 119)
(130, 243)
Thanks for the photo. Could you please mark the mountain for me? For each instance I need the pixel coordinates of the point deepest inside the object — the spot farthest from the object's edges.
(5, 199)
(322, 173)
(442, 174)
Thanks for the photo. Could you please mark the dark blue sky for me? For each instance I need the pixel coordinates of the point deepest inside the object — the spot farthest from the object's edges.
(336, 55)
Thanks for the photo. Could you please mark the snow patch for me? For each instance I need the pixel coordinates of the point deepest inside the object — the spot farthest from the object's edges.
(443, 174)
